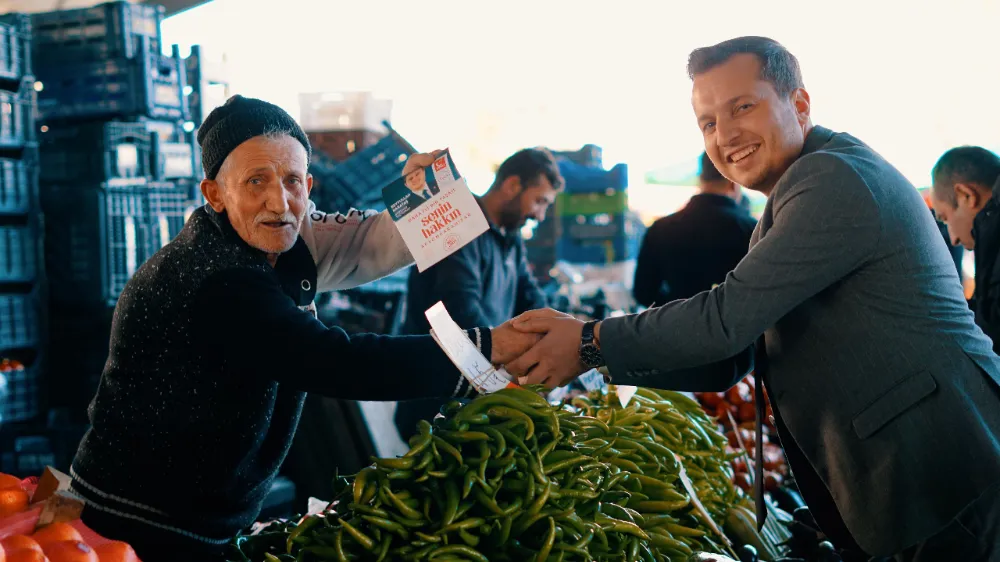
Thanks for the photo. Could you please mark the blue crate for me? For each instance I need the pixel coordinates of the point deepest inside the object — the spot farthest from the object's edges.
(589, 179)
(111, 151)
(17, 119)
(112, 30)
(16, 186)
(589, 155)
(23, 398)
(18, 254)
(148, 85)
(19, 321)
(96, 239)
(15, 47)
(599, 238)
(358, 181)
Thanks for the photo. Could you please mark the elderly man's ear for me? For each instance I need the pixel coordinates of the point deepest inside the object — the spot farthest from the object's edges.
(213, 194)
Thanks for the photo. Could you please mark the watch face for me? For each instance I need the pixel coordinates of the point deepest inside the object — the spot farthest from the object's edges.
(590, 355)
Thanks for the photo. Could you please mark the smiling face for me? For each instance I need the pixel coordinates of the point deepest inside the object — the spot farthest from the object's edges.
(752, 134)
(416, 181)
(263, 186)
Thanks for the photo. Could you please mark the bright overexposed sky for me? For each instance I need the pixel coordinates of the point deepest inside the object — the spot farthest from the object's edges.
(911, 78)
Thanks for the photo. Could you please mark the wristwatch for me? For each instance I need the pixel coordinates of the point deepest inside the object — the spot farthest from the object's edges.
(590, 351)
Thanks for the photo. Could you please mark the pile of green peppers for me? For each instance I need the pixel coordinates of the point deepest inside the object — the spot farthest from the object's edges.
(509, 477)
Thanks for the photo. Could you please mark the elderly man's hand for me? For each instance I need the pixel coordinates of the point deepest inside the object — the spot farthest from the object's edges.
(420, 160)
(509, 343)
(555, 359)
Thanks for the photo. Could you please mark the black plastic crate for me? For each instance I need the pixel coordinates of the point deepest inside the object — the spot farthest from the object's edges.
(15, 47)
(112, 30)
(111, 151)
(16, 189)
(19, 321)
(17, 112)
(148, 85)
(96, 238)
(359, 180)
(167, 211)
(23, 397)
(18, 254)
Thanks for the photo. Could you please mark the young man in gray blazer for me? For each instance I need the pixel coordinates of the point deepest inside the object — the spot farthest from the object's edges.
(885, 392)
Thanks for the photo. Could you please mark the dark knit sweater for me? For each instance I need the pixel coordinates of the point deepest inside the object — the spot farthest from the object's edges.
(209, 361)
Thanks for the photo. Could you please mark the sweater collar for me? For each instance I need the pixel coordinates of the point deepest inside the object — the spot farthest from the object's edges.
(296, 268)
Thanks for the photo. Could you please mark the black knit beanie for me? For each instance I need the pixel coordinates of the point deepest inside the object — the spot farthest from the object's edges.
(237, 121)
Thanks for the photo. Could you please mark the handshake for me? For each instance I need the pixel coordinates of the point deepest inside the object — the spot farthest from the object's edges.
(541, 347)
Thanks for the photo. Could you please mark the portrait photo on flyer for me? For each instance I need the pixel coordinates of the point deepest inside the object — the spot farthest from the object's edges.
(434, 211)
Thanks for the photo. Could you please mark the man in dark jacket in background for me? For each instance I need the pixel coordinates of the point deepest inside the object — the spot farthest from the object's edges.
(690, 251)
(487, 282)
(966, 181)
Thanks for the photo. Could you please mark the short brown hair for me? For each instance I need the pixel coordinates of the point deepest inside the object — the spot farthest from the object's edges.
(964, 164)
(777, 65)
(530, 165)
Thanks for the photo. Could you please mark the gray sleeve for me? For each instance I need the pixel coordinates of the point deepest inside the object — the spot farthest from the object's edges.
(826, 224)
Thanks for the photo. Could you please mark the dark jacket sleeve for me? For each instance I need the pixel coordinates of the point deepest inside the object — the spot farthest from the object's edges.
(252, 327)
(529, 295)
(458, 283)
(648, 284)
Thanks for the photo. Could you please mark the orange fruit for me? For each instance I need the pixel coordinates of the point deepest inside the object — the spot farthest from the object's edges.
(26, 555)
(3, 554)
(8, 481)
(15, 542)
(116, 551)
(12, 500)
(56, 532)
(70, 551)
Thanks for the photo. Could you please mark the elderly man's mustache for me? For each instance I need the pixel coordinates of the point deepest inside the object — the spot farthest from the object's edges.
(288, 218)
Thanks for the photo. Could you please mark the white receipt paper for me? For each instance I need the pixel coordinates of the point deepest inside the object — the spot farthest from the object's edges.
(481, 374)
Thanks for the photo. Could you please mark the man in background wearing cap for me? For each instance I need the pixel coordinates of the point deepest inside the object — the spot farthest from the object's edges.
(211, 355)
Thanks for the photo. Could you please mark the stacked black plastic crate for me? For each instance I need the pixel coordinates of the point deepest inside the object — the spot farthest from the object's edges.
(22, 360)
(116, 167)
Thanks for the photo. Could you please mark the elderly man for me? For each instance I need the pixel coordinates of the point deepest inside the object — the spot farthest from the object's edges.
(211, 353)
(882, 385)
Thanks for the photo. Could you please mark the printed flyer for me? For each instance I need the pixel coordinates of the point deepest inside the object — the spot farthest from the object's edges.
(434, 210)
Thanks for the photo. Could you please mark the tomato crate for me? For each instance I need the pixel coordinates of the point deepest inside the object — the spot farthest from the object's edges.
(19, 321)
(23, 391)
(147, 85)
(111, 151)
(111, 30)
(16, 186)
(18, 254)
(96, 239)
(17, 123)
(15, 47)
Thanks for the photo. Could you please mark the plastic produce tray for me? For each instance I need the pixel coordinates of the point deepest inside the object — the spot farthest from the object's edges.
(147, 85)
(15, 47)
(16, 188)
(18, 254)
(111, 30)
(19, 326)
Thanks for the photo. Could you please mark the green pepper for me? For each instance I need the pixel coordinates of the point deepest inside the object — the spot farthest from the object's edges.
(470, 523)
(459, 549)
(539, 502)
(468, 538)
(550, 539)
(298, 530)
(388, 525)
(361, 538)
(448, 448)
(463, 436)
(514, 414)
(451, 502)
(403, 463)
(383, 550)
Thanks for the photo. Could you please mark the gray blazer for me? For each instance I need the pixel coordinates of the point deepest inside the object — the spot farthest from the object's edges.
(882, 378)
